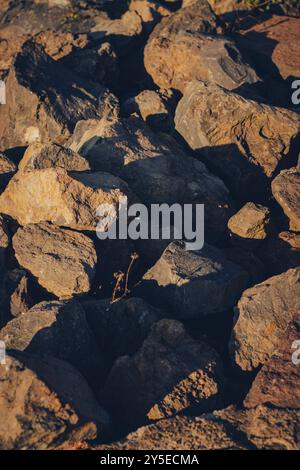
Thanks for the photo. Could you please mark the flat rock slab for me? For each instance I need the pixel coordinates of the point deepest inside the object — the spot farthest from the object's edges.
(193, 284)
(45, 403)
(244, 141)
(169, 374)
(63, 261)
(261, 318)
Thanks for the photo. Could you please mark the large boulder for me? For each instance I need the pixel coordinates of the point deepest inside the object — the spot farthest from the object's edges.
(66, 199)
(46, 403)
(278, 382)
(286, 190)
(157, 172)
(45, 99)
(171, 373)
(56, 328)
(229, 429)
(193, 284)
(242, 140)
(261, 317)
(184, 47)
(63, 261)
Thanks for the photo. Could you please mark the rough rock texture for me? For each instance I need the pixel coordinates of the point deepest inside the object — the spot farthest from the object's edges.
(156, 172)
(58, 329)
(229, 429)
(282, 252)
(46, 402)
(16, 287)
(63, 261)
(278, 382)
(251, 221)
(150, 11)
(286, 190)
(275, 40)
(241, 139)
(193, 284)
(64, 199)
(223, 6)
(40, 156)
(170, 373)
(121, 327)
(183, 47)
(45, 99)
(7, 170)
(261, 318)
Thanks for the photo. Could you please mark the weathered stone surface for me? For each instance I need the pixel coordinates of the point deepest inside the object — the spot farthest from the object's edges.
(193, 284)
(4, 243)
(53, 195)
(121, 327)
(154, 107)
(261, 318)
(45, 99)
(119, 32)
(278, 382)
(156, 172)
(170, 373)
(46, 402)
(150, 11)
(250, 222)
(57, 328)
(7, 170)
(63, 261)
(275, 40)
(16, 286)
(286, 190)
(39, 156)
(229, 429)
(223, 6)
(184, 47)
(242, 140)
(282, 252)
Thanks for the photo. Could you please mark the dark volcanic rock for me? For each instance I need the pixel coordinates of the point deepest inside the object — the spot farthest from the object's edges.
(45, 99)
(243, 141)
(46, 403)
(169, 374)
(193, 284)
(282, 252)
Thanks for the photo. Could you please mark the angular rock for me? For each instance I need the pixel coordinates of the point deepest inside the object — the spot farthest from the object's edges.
(53, 195)
(229, 429)
(282, 252)
(193, 284)
(45, 99)
(156, 172)
(243, 141)
(4, 243)
(169, 374)
(63, 261)
(16, 283)
(58, 329)
(278, 382)
(248, 261)
(46, 402)
(7, 170)
(286, 190)
(261, 317)
(121, 327)
(183, 47)
(40, 156)
(150, 11)
(250, 222)
(223, 6)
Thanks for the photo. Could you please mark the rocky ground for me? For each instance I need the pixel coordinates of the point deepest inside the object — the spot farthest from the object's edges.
(123, 344)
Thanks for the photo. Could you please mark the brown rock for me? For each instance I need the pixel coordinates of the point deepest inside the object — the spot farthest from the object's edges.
(261, 318)
(251, 222)
(17, 286)
(44, 403)
(58, 329)
(40, 156)
(229, 429)
(156, 172)
(278, 382)
(193, 284)
(150, 11)
(63, 261)
(45, 99)
(286, 190)
(169, 374)
(224, 6)
(7, 170)
(53, 195)
(184, 47)
(242, 140)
